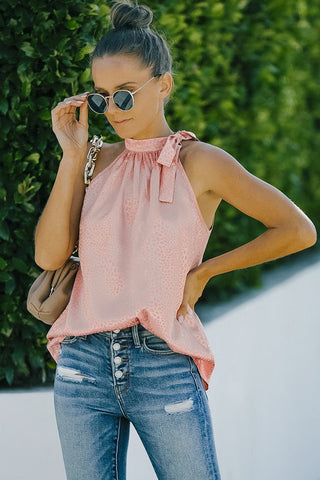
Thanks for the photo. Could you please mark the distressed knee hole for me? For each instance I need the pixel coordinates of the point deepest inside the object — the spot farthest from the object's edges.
(179, 407)
(73, 375)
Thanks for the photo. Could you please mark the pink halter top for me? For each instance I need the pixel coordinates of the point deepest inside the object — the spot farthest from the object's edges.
(141, 232)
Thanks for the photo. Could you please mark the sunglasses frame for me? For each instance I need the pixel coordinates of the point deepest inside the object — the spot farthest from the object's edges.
(105, 97)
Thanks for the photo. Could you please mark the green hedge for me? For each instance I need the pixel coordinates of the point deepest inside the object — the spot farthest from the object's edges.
(246, 76)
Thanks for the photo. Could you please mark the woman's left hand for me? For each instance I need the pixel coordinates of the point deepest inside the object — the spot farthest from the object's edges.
(193, 289)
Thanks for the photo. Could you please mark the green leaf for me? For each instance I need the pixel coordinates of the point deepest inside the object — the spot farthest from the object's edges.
(4, 231)
(19, 265)
(3, 194)
(18, 354)
(45, 115)
(28, 207)
(3, 263)
(83, 52)
(10, 286)
(72, 24)
(34, 157)
(9, 373)
(4, 105)
(36, 360)
(26, 88)
(85, 76)
(28, 49)
(4, 277)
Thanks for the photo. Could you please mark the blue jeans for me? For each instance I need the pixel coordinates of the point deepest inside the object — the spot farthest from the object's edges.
(106, 380)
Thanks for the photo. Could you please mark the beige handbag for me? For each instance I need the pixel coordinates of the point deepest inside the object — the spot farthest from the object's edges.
(50, 292)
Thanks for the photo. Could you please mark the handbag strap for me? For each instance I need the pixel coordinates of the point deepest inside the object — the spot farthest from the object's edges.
(97, 143)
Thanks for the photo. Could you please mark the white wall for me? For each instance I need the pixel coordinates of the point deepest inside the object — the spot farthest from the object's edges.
(265, 390)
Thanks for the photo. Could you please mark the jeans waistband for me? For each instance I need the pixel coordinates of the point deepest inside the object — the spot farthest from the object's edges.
(135, 331)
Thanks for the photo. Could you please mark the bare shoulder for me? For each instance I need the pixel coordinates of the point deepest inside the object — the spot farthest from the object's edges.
(208, 155)
(209, 164)
(108, 153)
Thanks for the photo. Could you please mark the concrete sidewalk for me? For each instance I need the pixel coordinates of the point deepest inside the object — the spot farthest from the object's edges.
(264, 392)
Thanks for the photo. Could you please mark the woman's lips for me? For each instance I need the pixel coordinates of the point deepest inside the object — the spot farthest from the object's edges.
(122, 121)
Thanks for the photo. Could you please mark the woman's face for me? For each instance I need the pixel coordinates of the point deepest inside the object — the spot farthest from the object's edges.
(111, 71)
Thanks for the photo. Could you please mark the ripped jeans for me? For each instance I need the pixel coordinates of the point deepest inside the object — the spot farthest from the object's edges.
(106, 380)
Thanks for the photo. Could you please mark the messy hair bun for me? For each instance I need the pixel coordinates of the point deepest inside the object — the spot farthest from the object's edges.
(131, 35)
(126, 15)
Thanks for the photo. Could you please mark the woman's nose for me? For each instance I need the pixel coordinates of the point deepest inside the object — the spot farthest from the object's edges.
(112, 106)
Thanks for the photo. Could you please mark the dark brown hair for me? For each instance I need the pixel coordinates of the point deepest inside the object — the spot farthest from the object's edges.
(131, 34)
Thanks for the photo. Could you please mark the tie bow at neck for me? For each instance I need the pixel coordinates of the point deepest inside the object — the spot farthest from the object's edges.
(168, 157)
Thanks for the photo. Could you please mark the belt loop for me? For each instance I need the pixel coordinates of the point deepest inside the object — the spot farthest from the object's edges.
(135, 335)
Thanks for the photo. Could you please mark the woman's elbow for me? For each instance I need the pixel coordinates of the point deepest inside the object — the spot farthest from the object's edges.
(305, 233)
(48, 263)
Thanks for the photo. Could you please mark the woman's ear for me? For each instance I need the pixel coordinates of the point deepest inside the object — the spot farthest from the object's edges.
(166, 84)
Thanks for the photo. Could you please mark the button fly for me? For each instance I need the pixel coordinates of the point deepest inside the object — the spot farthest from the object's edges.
(116, 346)
(118, 374)
(116, 331)
(117, 360)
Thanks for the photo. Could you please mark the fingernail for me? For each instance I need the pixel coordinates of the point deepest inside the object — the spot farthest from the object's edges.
(180, 318)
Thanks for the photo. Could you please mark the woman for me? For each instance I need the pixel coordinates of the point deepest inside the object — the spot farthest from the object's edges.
(129, 346)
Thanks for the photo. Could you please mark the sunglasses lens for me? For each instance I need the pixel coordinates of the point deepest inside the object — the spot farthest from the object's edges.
(123, 100)
(97, 103)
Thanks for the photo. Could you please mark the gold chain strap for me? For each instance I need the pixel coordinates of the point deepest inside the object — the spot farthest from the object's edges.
(97, 143)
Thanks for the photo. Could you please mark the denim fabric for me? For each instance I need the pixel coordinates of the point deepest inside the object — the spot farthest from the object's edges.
(106, 380)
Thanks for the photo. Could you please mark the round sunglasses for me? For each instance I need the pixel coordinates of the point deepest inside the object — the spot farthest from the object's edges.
(123, 99)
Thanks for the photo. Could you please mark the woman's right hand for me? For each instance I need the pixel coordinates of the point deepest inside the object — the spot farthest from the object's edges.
(72, 134)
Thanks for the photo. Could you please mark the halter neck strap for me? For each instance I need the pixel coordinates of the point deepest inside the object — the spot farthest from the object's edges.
(168, 159)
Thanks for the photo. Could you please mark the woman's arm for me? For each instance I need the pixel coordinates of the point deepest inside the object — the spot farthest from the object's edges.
(58, 227)
(288, 228)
